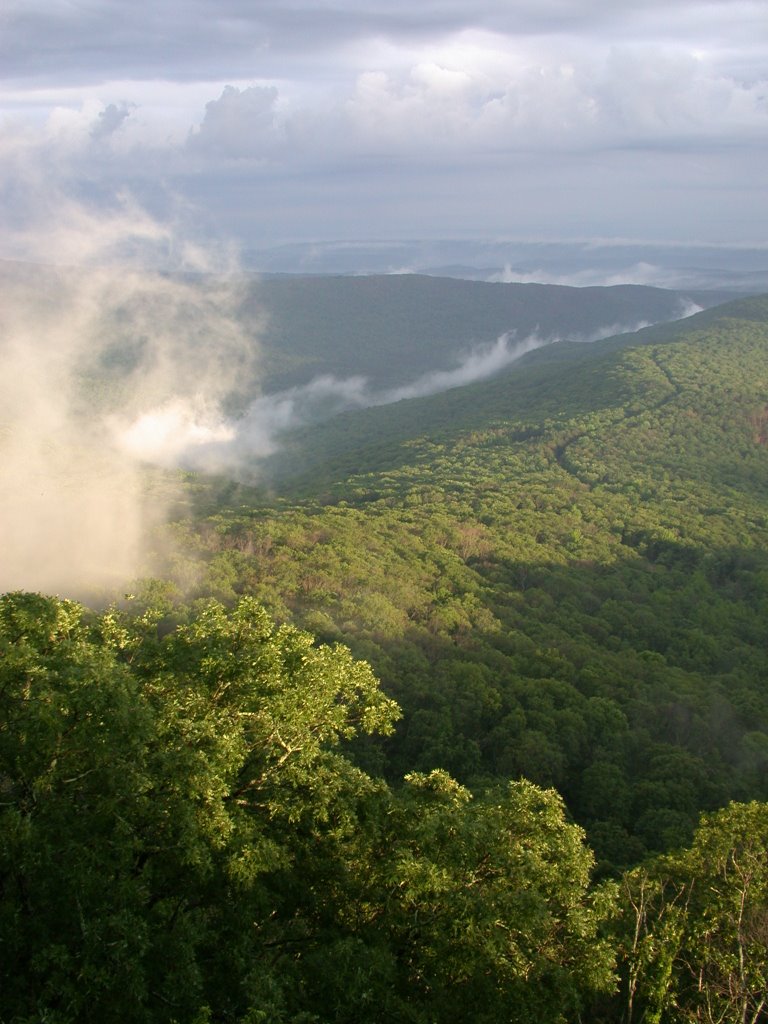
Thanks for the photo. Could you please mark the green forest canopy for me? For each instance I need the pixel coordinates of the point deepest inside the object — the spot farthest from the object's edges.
(182, 838)
(559, 574)
(561, 577)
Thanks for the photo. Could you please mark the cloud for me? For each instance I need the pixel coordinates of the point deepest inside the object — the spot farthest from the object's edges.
(110, 120)
(653, 275)
(166, 434)
(283, 120)
(178, 433)
(91, 342)
(624, 97)
(237, 446)
(686, 308)
(469, 108)
(542, 74)
(210, 39)
(239, 124)
(639, 273)
(479, 364)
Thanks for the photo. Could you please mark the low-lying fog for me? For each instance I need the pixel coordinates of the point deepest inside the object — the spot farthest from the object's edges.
(105, 369)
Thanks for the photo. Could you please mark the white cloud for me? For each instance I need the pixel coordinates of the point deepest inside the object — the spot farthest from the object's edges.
(639, 273)
(440, 118)
(73, 512)
(626, 97)
(477, 365)
(240, 123)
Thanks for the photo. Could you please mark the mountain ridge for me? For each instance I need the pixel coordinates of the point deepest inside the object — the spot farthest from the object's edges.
(391, 328)
(539, 371)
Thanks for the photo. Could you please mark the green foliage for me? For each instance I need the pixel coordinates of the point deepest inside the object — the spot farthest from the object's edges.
(182, 839)
(75, 737)
(559, 574)
(150, 786)
(488, 904)
(696, 925)
(561, 577)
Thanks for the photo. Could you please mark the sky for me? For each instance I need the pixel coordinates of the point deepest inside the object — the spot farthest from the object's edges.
(267, 122)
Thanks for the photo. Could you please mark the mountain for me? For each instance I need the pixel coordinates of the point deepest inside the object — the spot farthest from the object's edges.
(389, 329)
(560, 573)
(741, 268)
(540, 383)
(393, 328)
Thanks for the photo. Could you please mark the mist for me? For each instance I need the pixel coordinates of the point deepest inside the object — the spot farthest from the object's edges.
(112, 375)
(244, 441)
(640, 273)
(103, 369)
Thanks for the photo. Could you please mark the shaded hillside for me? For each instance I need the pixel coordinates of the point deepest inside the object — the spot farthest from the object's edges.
(392, 328)
(549, 382)
(255, 336)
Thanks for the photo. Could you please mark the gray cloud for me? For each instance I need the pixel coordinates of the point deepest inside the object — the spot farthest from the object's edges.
(211, 39)
(238, 124)
(288, 120)
(110, 120)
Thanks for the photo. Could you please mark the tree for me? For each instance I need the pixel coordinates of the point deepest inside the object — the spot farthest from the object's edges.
(156, 793)
(696, 926)
(723, 959)
(486, 902)
(76, 781)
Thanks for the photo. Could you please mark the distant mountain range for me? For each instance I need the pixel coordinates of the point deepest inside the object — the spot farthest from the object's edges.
(742, 269)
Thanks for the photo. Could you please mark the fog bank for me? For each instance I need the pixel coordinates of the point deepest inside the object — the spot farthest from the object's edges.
(86, 356)
(237, 445)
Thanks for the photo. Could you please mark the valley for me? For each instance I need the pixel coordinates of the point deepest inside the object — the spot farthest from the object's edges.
(444, 705)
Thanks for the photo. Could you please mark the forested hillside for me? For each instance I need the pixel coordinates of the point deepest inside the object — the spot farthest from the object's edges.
(559, 574)
(460, 715)
(392, 328)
